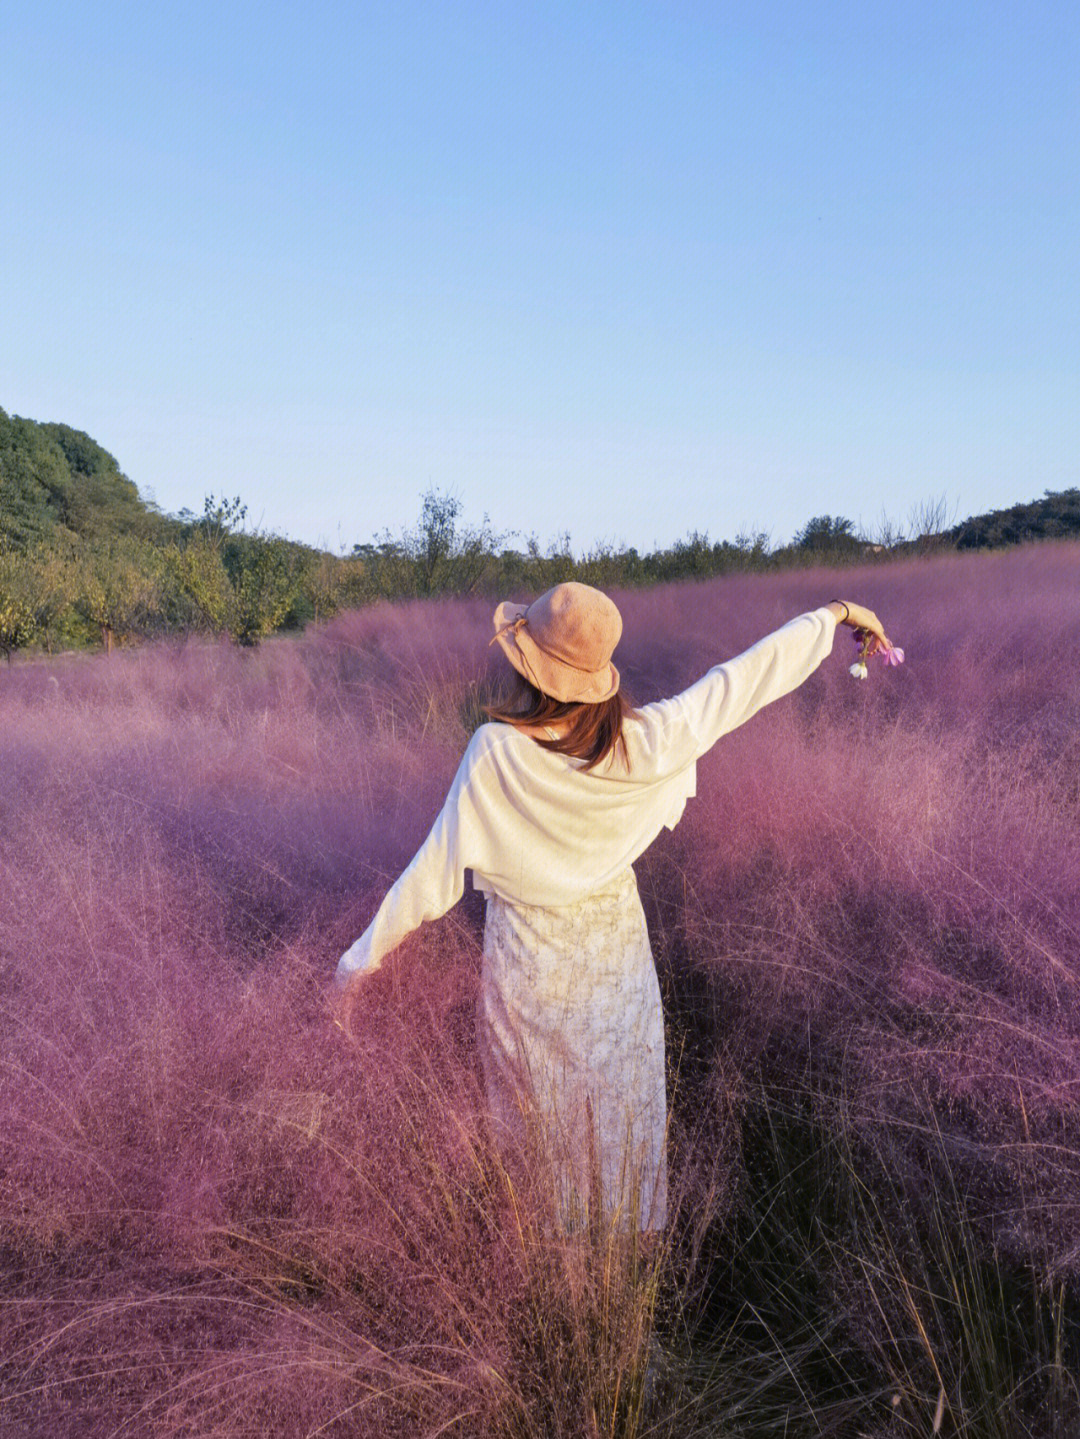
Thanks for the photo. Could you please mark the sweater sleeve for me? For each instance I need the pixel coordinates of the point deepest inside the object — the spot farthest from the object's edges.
(728, 695)
(433, 882)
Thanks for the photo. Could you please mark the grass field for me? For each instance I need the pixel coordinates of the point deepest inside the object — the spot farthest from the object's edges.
(220, 1215)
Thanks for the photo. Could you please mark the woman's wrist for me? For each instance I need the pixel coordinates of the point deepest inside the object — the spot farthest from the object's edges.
(356, 961)
(839, 609)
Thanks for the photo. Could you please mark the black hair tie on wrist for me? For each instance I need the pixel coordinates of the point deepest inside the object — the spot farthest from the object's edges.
(847, 612)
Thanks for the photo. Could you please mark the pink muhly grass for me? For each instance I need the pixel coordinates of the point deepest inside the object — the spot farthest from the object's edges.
(219, 1215)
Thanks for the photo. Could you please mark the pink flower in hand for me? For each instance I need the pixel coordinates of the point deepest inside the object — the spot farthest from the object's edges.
(870, 644)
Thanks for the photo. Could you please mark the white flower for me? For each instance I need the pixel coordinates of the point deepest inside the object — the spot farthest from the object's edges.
(858, 669)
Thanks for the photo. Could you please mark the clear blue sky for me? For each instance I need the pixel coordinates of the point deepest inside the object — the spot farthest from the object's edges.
(624, 270)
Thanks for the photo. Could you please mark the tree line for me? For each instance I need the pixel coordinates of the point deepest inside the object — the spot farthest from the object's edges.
(84, 560)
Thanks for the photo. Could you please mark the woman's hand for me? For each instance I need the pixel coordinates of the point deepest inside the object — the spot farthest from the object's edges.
(345, 998)
(353, 973)
(860, 618)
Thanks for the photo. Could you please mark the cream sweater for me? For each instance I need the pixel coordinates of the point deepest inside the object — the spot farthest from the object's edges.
(533, 827)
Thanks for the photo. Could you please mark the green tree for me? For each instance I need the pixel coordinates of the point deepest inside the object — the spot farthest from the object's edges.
(824, 532)
(327, 583)
(195, 566)
(437, 556)
(119, 587)
(553, 567)
(753, 549)
(17, 626)
(34, 477)
(51, 586)
(199, 582)
(265, 573)
(221, 518)
(234, 583)
(56, 482)
(1055, 516)
(353, 581)
(431, 544)
(448, 557)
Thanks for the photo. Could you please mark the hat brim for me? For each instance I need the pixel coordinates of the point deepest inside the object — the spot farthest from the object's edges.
(550, 675)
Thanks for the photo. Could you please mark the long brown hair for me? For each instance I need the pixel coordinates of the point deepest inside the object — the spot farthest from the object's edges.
(594, 729)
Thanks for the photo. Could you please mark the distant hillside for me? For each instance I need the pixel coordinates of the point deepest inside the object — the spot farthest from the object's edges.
(85, 559)
(56, 482)
(1055, 516)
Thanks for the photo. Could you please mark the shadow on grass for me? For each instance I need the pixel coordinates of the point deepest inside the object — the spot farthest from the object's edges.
(843, 1295)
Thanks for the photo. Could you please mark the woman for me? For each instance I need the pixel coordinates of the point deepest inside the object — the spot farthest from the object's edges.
(551, 804)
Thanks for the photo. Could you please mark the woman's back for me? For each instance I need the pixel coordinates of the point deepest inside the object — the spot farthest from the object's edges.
(541, 829)
(535, 827)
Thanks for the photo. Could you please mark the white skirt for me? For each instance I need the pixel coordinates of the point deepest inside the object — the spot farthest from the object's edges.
(571, 1033)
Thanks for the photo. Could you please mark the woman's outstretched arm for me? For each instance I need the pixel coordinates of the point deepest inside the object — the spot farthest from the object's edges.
(433, 882)
(729, 694)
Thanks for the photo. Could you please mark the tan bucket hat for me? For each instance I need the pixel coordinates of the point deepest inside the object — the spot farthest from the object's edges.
(563, 642)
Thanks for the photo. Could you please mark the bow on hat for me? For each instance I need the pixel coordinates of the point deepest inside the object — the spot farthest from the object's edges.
(512, 630)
